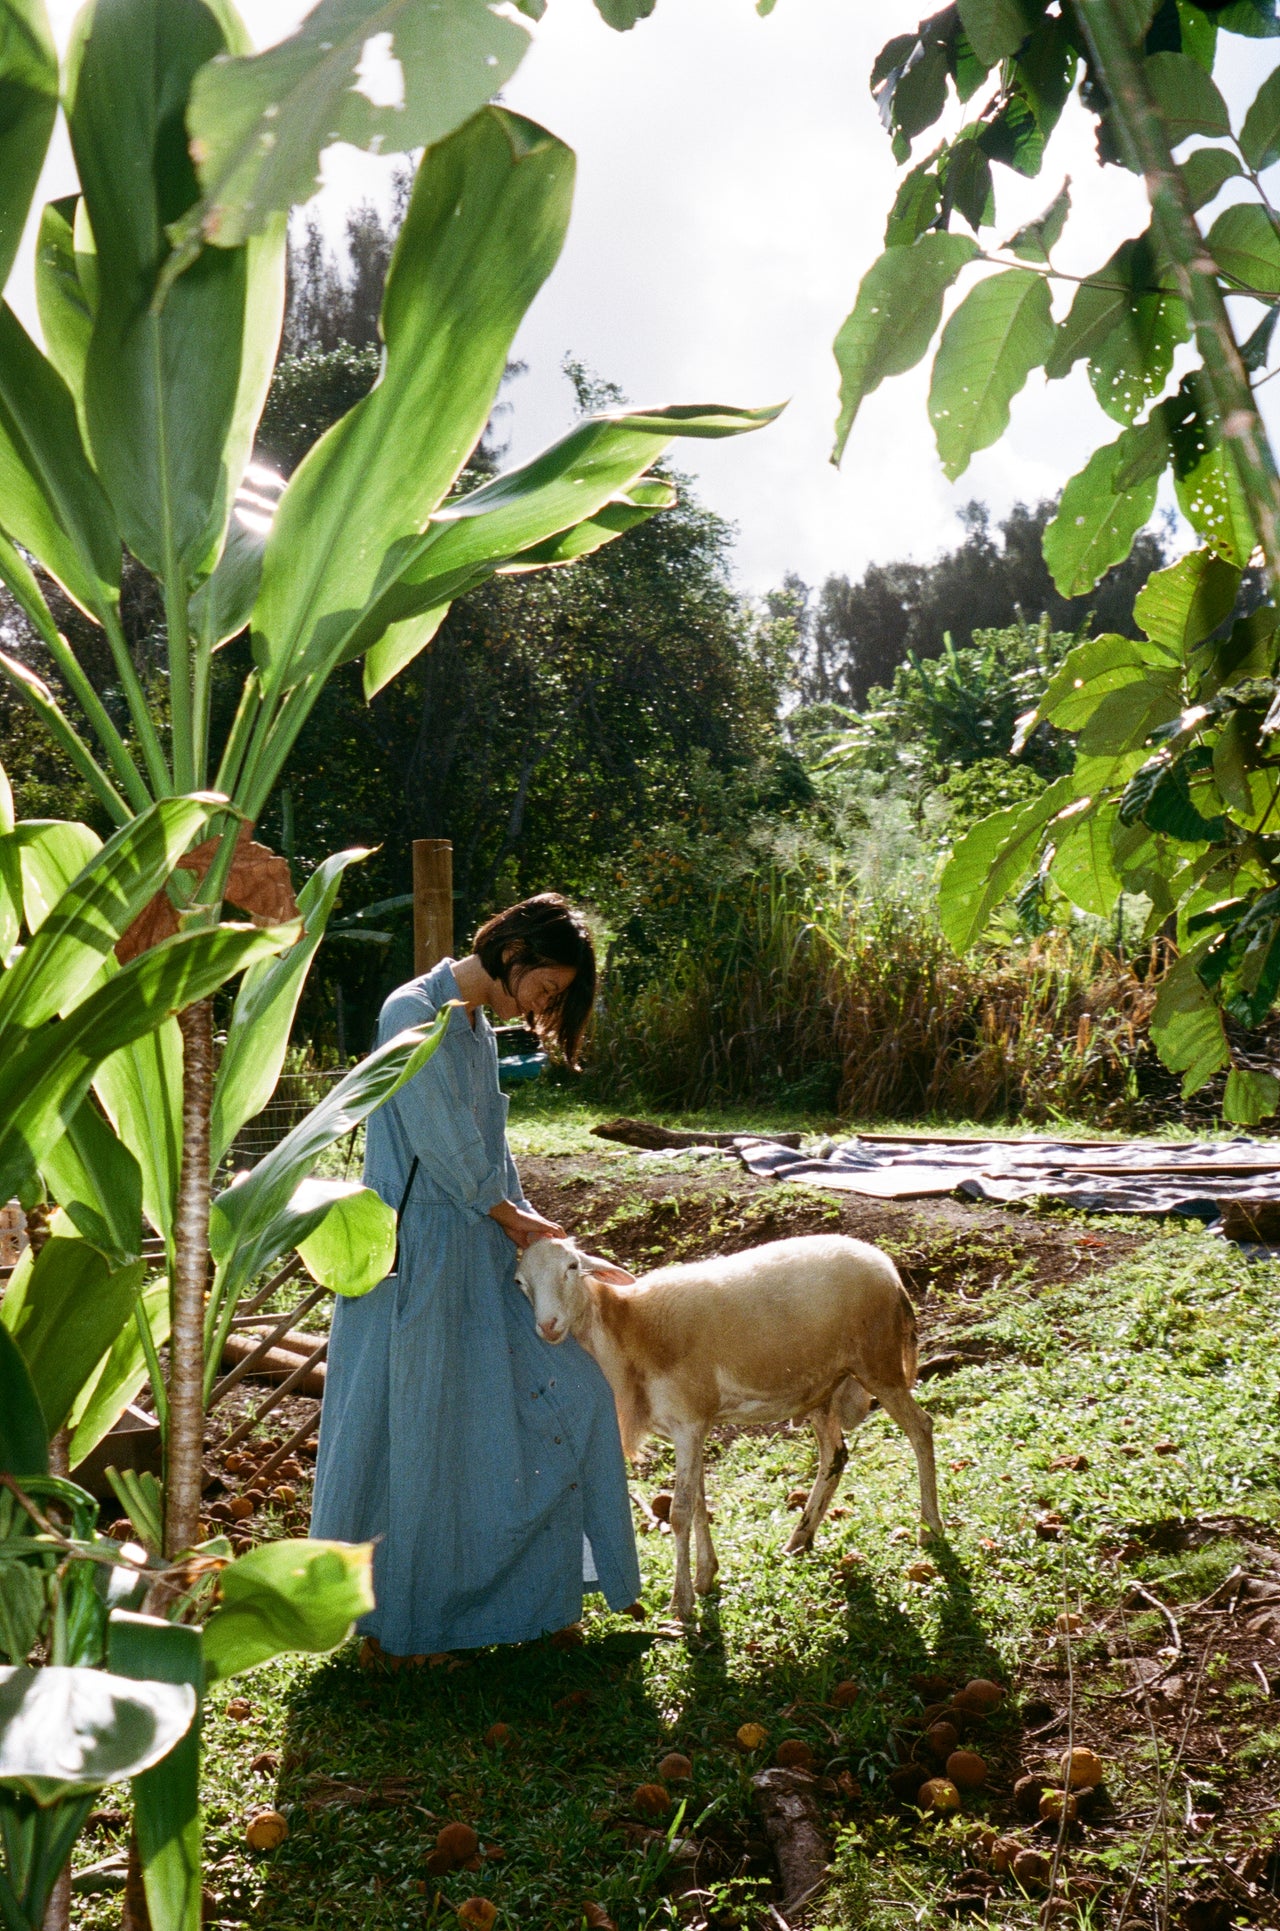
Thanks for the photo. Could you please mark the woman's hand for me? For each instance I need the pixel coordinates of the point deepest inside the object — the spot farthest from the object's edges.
(524, 1225)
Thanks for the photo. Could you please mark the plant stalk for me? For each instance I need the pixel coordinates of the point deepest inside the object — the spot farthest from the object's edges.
(184, 1446)
(1144, 141)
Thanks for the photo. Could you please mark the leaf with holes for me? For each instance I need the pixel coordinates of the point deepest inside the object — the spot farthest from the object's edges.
(898, 309)
(1103, 507)
(1186, 1025)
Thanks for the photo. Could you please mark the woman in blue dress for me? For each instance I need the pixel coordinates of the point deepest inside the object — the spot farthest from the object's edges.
(485, 1464)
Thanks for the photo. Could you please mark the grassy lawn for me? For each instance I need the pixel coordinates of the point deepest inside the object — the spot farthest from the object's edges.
(1160, 1371)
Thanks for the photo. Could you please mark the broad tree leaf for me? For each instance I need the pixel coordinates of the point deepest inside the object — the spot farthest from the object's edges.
(262, 1017)
(1189, 102)
(898, 309)
(1181, 605)
(1092, 669)
(1000, 332)
(1124, 719)
(1206, 171)
(1249, 1096)
(51, 501)
(993, 858)
(1260, 135)
(65, 1311)
(98, 1184)
(510, 522)
(997, 27)
(1083, 867)
(163, 387)
(1037, 240)
(97, 908)
(122, 1373)
(1103, 507)
(286, 1597)
(1126, 327)
(68, 1730)
(24, 1437)
(1186, 1025)
(29, 90)
(482, 231)
(52, 853)
(66, 314)
(44, 1078)
(252, 1222)
(141, 1092)
(353, 1246)
(1246, 247)
(1210, 493)
(259, 123)
(166, 1798)
(622, 15)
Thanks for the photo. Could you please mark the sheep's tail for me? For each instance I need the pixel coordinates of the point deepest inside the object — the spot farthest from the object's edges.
(910, 1340)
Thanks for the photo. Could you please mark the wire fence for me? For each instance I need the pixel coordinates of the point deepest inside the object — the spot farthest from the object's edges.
(295, 1095)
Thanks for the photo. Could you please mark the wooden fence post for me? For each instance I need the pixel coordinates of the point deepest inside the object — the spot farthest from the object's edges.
(432, 902)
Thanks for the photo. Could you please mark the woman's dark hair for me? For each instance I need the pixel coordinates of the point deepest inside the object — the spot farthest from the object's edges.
(544, 931)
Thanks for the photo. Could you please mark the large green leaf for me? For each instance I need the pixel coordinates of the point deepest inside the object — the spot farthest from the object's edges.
(1127, 322)
(65, 1311)
(166, 1798)
(1260, 135)
(1181, 605)
(1206, 171)
(97, 909)
(1083, 867)
(66, 314)
(1103, 507)
(52, 853)
(898, 309)
(1000, 332)
(1249, 1097)
(997, 27)
(1246, 246)
(1092, 669)
(163, 386)
(29, 92)
(262, 1017)
(1189, 102)
(991, 860)
(253, 1221)
(1124, 719)
(1186, 1025)
(286, 1597)
(107, 1394)
(482, 231)
(51, 502)
(1210, 492)
(141, 1091)
(519, 520)
(98, 1183)
(259, 124)
(67, 1730)
(24, 1437)
(353, 1246)
(44, 1078)
(1037, 240)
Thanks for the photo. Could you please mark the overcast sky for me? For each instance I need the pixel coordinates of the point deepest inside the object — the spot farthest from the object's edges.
(733, 182)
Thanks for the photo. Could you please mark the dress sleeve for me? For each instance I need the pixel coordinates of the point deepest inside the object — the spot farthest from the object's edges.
(445, 1137)
(515, 1190)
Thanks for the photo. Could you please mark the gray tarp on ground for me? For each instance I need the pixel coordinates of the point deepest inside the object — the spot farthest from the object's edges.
(1114, 1177)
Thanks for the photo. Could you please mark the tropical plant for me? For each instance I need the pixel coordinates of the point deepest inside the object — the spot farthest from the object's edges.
(1176, 777)
(160, 291)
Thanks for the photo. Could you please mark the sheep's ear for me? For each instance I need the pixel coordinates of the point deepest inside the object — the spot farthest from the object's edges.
(606, 1271)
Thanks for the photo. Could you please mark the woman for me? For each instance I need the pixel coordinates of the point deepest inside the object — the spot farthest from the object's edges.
(486, 1464)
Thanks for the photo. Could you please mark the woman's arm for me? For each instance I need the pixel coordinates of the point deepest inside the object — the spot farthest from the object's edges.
(442, 1131)
(524, 1224)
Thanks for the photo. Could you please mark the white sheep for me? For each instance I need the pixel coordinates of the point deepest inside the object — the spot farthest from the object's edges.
(818, 1326)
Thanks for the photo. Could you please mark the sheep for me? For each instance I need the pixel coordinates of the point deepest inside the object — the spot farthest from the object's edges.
(818, 1326)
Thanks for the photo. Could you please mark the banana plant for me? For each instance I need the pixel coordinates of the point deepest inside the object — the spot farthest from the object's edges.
(119, 1696)
(160, 288)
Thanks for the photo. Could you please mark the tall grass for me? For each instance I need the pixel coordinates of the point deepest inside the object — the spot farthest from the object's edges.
(859, 1004)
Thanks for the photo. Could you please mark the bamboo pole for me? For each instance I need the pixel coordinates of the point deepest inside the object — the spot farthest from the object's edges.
(432, 902)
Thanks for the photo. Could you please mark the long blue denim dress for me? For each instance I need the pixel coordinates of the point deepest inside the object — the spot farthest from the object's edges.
(476, 1454)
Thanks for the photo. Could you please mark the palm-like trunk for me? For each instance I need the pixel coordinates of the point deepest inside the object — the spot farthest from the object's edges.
(185, 1444)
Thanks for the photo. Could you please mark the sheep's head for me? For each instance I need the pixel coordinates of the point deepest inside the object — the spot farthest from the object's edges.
(554, 1275)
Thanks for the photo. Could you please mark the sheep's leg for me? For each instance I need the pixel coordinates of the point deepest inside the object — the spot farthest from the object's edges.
(918, 1429)
(684, 1497)
(832, 1456)
(708, 1562)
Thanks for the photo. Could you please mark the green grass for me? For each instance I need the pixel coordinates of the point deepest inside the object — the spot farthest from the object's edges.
(1176, 1344)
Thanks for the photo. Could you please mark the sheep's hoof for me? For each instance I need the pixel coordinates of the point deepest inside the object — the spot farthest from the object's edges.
(704, 1584)
(681, 1610)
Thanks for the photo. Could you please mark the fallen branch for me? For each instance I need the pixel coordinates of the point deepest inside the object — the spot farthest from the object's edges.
(655, 1139)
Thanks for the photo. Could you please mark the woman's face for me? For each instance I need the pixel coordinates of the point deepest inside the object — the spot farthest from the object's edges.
(533, 989)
